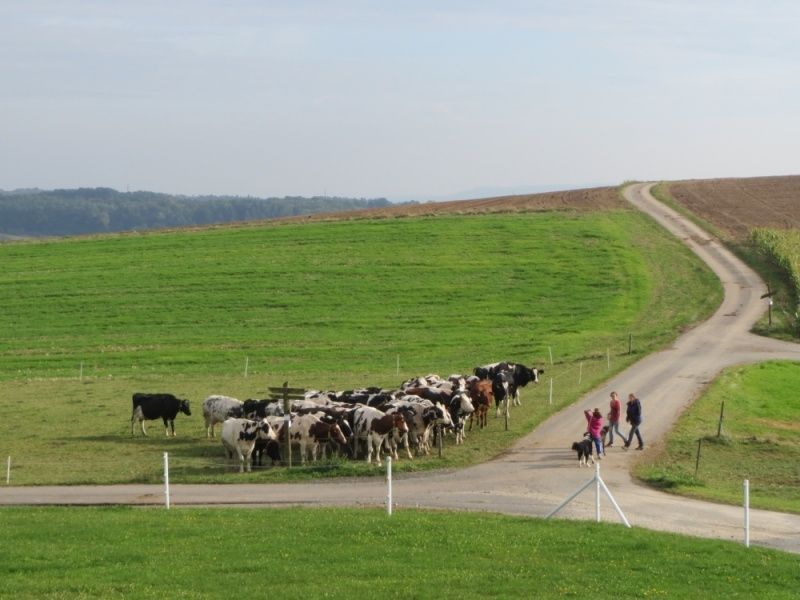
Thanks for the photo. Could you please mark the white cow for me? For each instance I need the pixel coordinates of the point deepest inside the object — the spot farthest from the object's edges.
(239, 438)
(218, 408)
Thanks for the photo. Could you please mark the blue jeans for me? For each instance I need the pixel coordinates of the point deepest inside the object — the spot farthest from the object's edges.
(598, 444)
(634, 430)
(614, 425)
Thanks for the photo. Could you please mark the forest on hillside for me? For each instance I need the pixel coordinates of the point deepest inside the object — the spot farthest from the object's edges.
(36, 212)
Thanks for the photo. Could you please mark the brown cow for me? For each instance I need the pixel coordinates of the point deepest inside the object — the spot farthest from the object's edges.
(480, 392)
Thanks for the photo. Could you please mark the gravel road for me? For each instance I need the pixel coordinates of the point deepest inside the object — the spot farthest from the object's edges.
(539, 472)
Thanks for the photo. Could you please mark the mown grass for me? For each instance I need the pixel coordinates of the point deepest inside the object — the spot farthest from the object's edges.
(337, 553)
(759, 441)
(328, 306)
(320, 300)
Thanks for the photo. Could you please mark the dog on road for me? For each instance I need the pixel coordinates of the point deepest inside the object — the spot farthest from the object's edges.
(584, 450)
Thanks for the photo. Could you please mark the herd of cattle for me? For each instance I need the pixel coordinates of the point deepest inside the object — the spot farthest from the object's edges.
(374, 420)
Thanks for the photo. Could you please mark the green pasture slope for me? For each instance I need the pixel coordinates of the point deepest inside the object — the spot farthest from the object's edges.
(759, 441)
(88, 321)
(336, 553)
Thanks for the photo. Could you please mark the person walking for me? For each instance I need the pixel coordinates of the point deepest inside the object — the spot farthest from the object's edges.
(613, 419)
(594, 419)
(633, 416)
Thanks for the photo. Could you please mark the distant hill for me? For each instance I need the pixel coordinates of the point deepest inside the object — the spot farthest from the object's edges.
(34, 212)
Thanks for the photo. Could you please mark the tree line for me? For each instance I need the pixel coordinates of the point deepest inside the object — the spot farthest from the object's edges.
(35, 212)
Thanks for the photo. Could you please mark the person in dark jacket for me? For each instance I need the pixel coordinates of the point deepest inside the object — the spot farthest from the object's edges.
(633, 412)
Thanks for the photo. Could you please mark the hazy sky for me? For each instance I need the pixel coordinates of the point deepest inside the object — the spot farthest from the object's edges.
(397, 99)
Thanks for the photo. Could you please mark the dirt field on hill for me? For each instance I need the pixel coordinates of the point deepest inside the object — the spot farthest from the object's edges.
(574, 200)
(736, 206)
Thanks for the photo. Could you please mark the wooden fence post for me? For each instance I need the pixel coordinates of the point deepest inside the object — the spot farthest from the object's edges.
(697, 462)
(721, 416)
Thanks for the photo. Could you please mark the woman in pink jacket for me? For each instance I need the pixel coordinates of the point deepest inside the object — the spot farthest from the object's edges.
(595, 420)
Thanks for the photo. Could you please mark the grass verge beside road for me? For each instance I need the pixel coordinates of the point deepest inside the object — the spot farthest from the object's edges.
(339, 553)
(759, 441)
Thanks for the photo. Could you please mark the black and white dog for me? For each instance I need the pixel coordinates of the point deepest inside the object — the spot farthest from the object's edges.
(584, 450)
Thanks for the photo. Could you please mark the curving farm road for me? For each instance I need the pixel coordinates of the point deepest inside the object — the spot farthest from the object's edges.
(538, 473)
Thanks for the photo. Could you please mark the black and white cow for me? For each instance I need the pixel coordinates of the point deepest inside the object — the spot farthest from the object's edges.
(147, 407)
(239, 438)
(460, 407)
(218, 408)
(506, 379)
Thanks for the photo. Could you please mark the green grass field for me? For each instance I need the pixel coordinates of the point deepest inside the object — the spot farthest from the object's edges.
(759, 441)
(330, 306)
(333, 553)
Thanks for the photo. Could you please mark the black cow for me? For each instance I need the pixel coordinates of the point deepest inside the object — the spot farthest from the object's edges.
(147, 407)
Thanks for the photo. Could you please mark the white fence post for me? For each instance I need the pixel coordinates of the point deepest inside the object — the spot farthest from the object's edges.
(166, 479)
(389, 485)
(550, 349)
(246, 365)
(580, 373)
(598, 481)
(608, 358)
(551, 390)
(597, 491)
(8, 471)
(747, 513)
(398, 365)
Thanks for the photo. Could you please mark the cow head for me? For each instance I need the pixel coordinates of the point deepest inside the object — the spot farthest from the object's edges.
(463, 402)
(265, 431)
(481, 372)
(524, 375)
(344, 426)
(184, 408)
(399, 423)
(337, 436)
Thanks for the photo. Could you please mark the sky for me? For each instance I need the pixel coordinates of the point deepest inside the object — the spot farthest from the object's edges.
(403, 100)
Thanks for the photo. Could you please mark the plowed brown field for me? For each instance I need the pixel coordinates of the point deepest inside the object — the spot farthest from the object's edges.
(735, 206)
(573, 200)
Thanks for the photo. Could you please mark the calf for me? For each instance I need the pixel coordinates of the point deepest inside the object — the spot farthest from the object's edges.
(239, 438)
(218, 408)
(147, 407)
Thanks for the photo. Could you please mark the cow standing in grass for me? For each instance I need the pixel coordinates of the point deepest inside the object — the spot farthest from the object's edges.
(147, 407)
(218, 408)
(239, 438)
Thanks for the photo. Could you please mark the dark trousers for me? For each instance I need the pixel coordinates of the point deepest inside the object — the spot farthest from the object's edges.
(634, 430)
